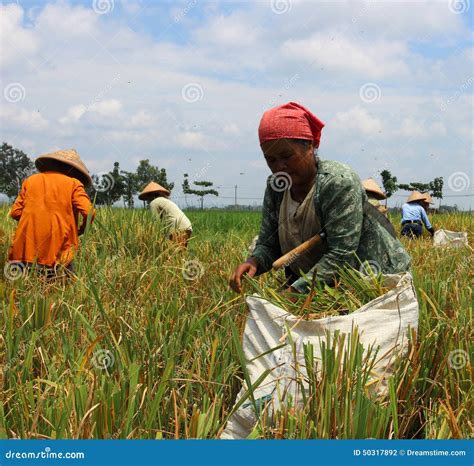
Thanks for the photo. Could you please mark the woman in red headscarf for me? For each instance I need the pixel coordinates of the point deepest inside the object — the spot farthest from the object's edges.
(306, 196)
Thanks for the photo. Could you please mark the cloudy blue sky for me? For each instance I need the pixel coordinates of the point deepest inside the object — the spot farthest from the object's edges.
(185, 83)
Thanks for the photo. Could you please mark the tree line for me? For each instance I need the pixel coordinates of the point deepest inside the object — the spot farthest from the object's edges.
(391, 185)
(117, 184)
(107, 187)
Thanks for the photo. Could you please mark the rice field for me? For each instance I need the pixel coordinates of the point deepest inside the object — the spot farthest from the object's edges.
(144, 342)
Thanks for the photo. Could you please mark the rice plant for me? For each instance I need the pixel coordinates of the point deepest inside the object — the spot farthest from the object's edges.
(140, 344)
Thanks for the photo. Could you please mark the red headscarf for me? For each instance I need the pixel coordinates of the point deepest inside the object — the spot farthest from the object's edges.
(291, 121)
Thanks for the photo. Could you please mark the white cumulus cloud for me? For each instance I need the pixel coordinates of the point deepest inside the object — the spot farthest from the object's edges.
(358, 119)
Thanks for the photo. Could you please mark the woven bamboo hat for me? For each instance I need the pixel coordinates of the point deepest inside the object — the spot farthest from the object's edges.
(416, 196)
(69, 160)
(152, 188)
(371, 185)
(428, 198)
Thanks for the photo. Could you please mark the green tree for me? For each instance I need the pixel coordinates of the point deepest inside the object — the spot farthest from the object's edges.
(389, 184)
(436, 187)
(130, 188)
(422, 187)
(202, 192)
(186, 188)
(15, 166)
(146, 172)
(108, 188)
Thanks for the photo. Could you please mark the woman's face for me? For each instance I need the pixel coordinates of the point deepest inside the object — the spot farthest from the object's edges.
(293, 158)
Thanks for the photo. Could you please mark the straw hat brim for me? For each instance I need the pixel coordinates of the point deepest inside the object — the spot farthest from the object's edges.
(71, 167)
(416, 196)
(152, 188)
(428, 198)
(372, 187)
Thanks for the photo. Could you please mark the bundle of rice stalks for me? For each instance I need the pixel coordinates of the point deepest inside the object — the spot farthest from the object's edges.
(352, 290)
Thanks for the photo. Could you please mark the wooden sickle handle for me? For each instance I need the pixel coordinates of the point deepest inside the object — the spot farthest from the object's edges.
(290, 256)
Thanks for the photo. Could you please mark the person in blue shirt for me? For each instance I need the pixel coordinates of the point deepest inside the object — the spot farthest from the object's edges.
(414, 216)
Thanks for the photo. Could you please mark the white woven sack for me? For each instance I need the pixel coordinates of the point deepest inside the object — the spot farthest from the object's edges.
(456, 239)
(383, 323)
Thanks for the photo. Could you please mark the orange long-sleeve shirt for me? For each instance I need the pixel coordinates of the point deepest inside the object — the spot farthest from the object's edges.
(48, 209)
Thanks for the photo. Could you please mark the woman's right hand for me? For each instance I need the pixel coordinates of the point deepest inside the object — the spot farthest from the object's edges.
(248, 267)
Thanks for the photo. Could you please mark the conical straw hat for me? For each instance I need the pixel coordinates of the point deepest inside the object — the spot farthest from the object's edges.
(153, 188)
(416, 196)
(428, 198)
(68, 157)
(371, 185)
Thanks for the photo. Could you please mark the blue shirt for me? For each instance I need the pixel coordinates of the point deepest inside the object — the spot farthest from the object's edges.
(414, 212)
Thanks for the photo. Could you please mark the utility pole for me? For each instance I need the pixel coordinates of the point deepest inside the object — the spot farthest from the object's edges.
(235, 196)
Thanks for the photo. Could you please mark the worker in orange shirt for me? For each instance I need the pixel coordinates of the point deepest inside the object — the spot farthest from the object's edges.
(52, 210)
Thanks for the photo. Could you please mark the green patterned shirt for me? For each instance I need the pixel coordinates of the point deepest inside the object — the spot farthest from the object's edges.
(353, 236)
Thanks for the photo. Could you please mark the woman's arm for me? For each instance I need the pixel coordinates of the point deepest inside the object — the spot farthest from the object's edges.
(424, 219)
(19, 204)
(341, 205)
(82, 205)
(267, 249)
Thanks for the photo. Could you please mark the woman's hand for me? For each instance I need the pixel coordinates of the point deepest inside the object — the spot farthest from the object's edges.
(248, 267)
